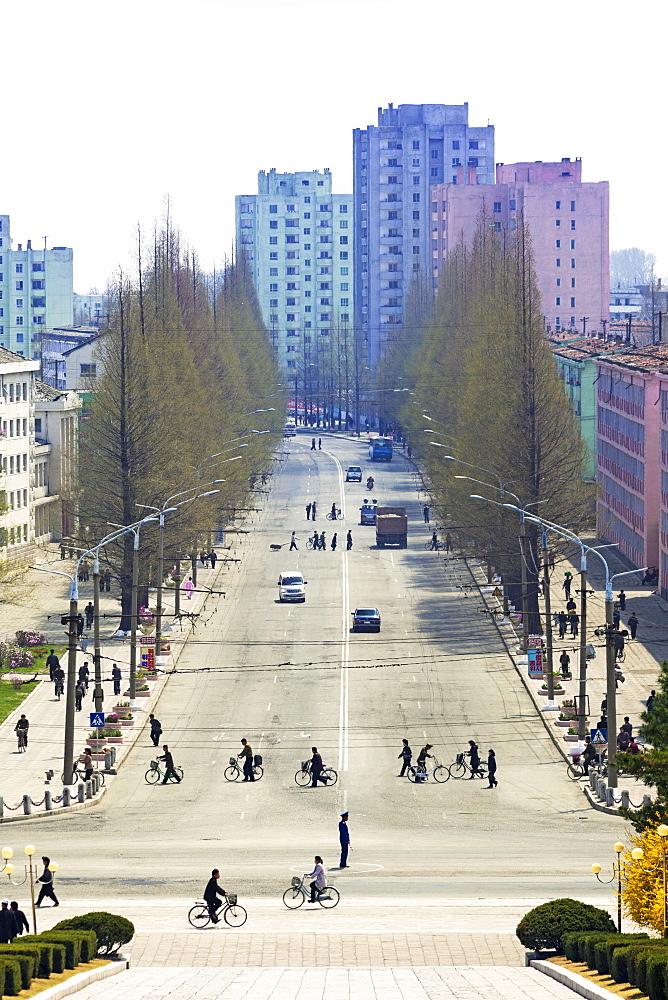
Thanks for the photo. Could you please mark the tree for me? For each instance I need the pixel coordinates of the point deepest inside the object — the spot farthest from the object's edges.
(642, 884)
(631, 266)
(652, 765)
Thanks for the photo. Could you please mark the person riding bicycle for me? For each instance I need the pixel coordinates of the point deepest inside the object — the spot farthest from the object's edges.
(422, 762)
(59, 682)
(475, 758)
(21, 729)
(211, 892)
(588, 755)
(369, 483)
(318, 876)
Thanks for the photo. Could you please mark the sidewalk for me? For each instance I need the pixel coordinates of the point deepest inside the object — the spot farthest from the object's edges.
(47, 597)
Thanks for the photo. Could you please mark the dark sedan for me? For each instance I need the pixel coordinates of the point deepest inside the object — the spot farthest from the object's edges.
(366, 619)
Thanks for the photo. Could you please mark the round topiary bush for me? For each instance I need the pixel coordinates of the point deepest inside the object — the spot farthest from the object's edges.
(112, 931)
(542, 927)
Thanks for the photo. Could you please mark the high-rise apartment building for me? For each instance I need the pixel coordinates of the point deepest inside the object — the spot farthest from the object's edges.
(297, 238)
(413, 147)
(36, 292)
(568, 222)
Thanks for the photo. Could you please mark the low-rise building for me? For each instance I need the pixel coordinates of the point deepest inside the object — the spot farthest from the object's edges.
(55, 461)
(92, 309)
(55, 343)
(81, 364)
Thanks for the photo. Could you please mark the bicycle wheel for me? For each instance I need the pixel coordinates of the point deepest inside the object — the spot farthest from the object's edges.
(293, 897)
(331, 775)
(152, 776)
(441, 773)
(458, 769)
(411, 774)
(178, 771)
(481, 772)
(258, 771)
(302, 778)
(329, 897)
(199, 917)
(309, 544)
(235, 915)
(339, 515)
(231, 772)
(575, 771)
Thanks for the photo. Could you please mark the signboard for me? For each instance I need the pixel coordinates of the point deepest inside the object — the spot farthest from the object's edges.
(536, 665)
(599, 736)
(97, 720)
(535, 642)
(147, 640)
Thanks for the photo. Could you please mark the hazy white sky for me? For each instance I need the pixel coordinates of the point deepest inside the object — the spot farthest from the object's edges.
(110, 107)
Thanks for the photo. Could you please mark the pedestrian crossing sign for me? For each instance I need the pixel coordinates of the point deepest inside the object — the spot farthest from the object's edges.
(96, 720)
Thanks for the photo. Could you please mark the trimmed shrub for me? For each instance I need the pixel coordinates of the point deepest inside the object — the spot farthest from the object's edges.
(619, 965)
(27, 960)
(616, 943)
(52, 958)
(87, 942)
(641, 965)
(587, 944)
(544, 926)
(111, 930)
(569, 945)
(10, 977)
(655, 974)
(70, 944)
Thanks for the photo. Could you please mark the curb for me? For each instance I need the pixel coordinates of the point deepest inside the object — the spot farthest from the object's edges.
(588, 794)
(578, 984)
(78, 982)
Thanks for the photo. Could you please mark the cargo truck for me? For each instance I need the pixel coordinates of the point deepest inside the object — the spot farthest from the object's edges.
(391, 527)
(380, 450)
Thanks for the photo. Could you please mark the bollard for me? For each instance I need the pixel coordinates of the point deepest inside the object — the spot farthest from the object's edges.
(601, 789)
(27, 805)
(2, 808)
(66, 797)
(113, 755)
(48, 805)
(107, 760)
(626, 799)
(610, 797)
(646, 801)
(89, 789)
(81, 792)
(96, 783)
(593, 780)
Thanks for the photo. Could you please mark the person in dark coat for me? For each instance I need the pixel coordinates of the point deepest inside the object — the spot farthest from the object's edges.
(90, 614)
(80, 625)
(314, 509)
(20, 917)
(211, 894)
(8, 925)
(344, 840)
(633, 624)
(312, 444)
(59, 682)
(84, 675)
(116, 678)
(562, 620)
(405, 757)
(349, 541)
(491, 769)
(170, 771)
(212, 559)
(621, 597)
(52, 663)
(565, 663)
(107, 580)
(475, 758)
(79, 693)
(247, 754)
(46, 880)
(568, 579)
(156, 729)
(333, 543)
(316, 768)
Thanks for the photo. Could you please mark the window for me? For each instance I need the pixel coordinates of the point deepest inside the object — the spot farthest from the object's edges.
(19, 286)
(344, 271)
(38, 285)
(572, 282)
(343, 239)
(557, 222)
(291, 301)
(344, 302)
(557, 244)
(40, 303)
(343, 224)
(416, 234)
(572, 320)
(307, 199)
(392, 215)
(273, 303)
(572, 261)
(473, 144)
(392, 197)
(416, 249)
(416, 179)
(572, 206)
(572, 223)
(273, 255)
(273, 318)
(497, 206)
(273, 240)
(416, 198)
(292, 254)
(343, 255)
(19, 322)
(434, 154)
(416, 161)
(19, 268)
(88, 369)
(274, 286)
(557, 321)
(512, 205)
(416, 143)
(291, 223)
(273, 209)
(557, 301)
(295, 239)
(456, 162)
(290, 208)
(558, 282)
(473, 161)
(572, 244)
(557, 205)
(558, 261)
(38, 265)
(289, 317)
(572, 302)
(273, 224)
(416, 216)
(433, 172)
(307, 232)
(455, 144)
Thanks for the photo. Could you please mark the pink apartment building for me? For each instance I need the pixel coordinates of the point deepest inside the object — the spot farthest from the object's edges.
(568, 222)
(632, 454)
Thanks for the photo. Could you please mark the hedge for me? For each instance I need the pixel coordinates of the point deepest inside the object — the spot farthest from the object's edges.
(71, 945)
(52, 957)
(545, 925)
(609, 947)
(635, 964)
(587, 945)
(87, 941)
(112, 931)
(10, 977)
(27, 960)
(655, 974)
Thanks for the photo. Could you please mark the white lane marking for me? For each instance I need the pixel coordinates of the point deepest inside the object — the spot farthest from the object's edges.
(242, 815)
(345, 637)
(268, 706)
(275, 678)
(419, 705)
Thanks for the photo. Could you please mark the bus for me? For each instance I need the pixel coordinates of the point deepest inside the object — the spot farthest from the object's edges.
(380, 450)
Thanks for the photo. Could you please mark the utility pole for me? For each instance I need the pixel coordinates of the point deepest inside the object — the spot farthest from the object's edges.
(161, 570)
(133, 620)
(604, 324)
(548, 622)
(98, 694)
(611, 686)
(525, 602)
(582, 718)
(68, 756)
(583, 320)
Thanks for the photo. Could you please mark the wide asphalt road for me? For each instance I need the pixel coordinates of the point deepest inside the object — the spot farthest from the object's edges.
(287, 677)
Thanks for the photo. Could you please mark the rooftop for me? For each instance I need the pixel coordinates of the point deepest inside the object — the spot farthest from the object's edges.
(653, 358)
(582, 348)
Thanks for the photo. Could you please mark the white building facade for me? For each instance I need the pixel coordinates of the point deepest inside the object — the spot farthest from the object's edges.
(36, 292)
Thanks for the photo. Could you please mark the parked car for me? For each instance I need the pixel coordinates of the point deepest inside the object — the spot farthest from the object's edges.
(291, 586)
(366, 619)
(353, 474)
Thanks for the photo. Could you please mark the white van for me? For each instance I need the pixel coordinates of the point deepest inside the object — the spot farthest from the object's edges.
(291, 586)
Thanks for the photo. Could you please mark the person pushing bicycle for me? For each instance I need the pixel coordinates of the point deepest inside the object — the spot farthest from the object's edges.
(211, 893)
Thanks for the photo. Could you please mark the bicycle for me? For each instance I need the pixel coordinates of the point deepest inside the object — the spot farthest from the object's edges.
(234, 914)
(155, 773)
(461, 766)
(339, 516)
(311, 544)
(303, 777)
(430, 547)
(418, 775)
(297, 893)
(233, 772)
(79, 774)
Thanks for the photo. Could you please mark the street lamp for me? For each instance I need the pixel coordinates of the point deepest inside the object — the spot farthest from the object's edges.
(638, 854)
(616, 874)
(7, 854)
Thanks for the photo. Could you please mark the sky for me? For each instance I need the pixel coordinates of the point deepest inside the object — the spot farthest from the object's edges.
(111, 109)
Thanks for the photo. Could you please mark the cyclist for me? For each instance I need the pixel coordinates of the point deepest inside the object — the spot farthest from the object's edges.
(169, 766)
(422, 762)
(88, 764)
(588, 755)
(475, 758)
(318, 876)
(59, 682)
(21, 730)
(211, 892)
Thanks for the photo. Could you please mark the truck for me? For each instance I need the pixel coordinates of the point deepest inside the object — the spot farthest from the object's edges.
(391, 527)
(380, 450)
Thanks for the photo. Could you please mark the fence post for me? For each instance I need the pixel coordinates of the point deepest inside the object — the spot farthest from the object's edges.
(626, 799)
(48, 805)
(88, 791)
(593, 780)
(66, 797)
(27, 805)
(610, 797)
(601, 789)
(2, 807)
(81, 791)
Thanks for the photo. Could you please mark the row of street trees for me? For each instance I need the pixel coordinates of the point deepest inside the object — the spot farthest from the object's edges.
(182, 376)
(479, 380)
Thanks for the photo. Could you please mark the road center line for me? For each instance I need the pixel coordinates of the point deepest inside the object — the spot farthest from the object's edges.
(345, 636)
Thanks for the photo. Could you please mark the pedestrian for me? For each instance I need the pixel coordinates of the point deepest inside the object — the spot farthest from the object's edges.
(574, 622)
(116, 678)
(87, 764)
(604, 705)
(89, 611)
(422, 762)
(565, 662)
(170, 771)
(52, 663)
(293, 541)
(319, 444)
(570, 605)
(332, 544)
(156, 729)
(566, 585)
(633, 624)
(474, 754)
(308, 511)
(627, 727)
(619, 644)
(409, 451)
(189, 587)
(562, 620)
(312, 444)
(314, 509)
(59, 682)
(84, 674)
(621, 597)
(83, 643)
(425, 512)
(79, 693)
(213, 558)
(448, 542)
(319, 878)
(107, 580)
(322, 544)
(80, 625)
(405, 756)
(344, 840)
(46, 880)
(8, 924)
(616, 618)
(623, 739)
(20, 917)
(316, 768)
(315, 540)
(247, 754)
(491, 769)
(202, 556)
(211, 893)
(434, 540)
(649, 704)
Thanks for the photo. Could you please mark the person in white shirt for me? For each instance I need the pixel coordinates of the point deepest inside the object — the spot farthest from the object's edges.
(318, 876)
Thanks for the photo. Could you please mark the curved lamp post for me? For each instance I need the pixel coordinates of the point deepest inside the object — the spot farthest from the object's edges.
(7, 854)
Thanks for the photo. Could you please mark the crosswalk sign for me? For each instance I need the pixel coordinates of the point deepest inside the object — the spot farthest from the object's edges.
(96, 720)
